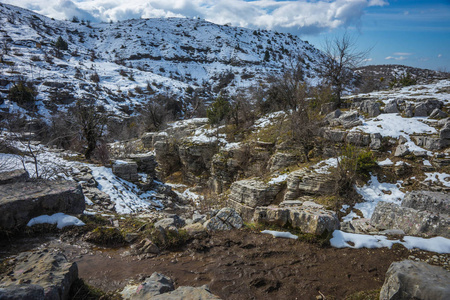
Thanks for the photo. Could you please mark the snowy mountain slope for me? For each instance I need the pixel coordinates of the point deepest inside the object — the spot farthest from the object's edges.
(137, 59)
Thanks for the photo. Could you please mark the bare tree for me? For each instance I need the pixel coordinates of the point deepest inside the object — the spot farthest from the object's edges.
(287, 89)
(340, 57)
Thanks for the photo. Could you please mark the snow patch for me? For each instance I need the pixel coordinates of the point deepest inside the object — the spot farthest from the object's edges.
(342, 239)
(280, 234)
(62, 220)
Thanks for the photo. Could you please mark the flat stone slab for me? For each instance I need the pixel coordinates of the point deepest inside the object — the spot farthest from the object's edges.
(411, 221)
(46, 269)
(13, 176)
(22, 201)
(415, 280)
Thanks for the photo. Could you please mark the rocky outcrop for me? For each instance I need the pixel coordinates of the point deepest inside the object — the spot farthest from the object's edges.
(391, 107)
(415, 280)
(347, 120)
(246, 195)
(424, 109)
(307, 182)
(281, 160)
(126, 169)
(22, 201)
(13, 176)
(196, 160)
(411, 221)
(159, 286)
(45, 269)
(370, 107)
(435, 202)
(309, 217)
(146, 163)
(429, 142)
(226, 219)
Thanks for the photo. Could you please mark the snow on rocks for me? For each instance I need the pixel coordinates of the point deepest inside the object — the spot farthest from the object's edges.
(374, 192)
(342, 239)
(60, 219)
(280, 234)
(125, 195)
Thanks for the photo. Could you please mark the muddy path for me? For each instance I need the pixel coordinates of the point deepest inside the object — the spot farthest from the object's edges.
(245, 265)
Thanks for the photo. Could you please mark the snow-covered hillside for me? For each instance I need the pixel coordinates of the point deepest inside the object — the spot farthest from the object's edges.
(138, 59)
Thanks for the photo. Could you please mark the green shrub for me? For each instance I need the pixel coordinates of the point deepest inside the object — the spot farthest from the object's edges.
(61, 44)
(218, 111)
(365, 162)
(22, 93)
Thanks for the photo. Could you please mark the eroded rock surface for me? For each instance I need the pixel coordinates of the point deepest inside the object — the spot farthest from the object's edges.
(415, 280)
(308, 217)
(22, 201)
(411, 221)
(46, 269)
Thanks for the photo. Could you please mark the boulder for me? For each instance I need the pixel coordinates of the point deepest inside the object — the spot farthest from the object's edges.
(370, 107)
(254, 192)
(409, 110)
(424, 109)
(226, 219)
(13, 176)
(22, 201)
(435, 202)
(170, 221)
(349, 119)
(47, 269)
(333, 135)
(195, 230)
(438, 114)
(358, 139)
(309, 217)
(188, 292)
(391, 107)
(281, 160)
(154, 285)
(22, 292)
(430, 143)
(375, 141)
(444, 133)
(333, 115)
(126, 169)
(401, 151)
(307, 182)
(411, 221)
(415, 280)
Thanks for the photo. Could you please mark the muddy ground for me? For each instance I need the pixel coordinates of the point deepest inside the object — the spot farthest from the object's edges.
(240, 264)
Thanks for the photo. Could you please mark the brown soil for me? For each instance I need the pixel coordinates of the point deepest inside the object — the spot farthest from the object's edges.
(246, 265)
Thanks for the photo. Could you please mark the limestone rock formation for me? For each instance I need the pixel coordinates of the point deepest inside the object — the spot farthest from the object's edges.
(46, 269)
(308, 217)
(411, 221)
(415, 280)
(226, 219)
(22, 201)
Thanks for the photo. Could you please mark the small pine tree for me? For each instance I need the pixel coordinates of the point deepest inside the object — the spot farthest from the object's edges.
(218, 111)
(61, 44)
(267, 55)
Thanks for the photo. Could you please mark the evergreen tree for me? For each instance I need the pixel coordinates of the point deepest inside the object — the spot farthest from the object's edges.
(61, 44)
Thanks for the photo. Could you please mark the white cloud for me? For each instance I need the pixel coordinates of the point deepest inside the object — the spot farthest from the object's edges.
(306, 16)
(396, 58)
(403, 53)
(439, 55)
(367, 59)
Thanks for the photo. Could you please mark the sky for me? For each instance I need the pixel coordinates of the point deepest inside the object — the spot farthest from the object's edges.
(410, 32)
